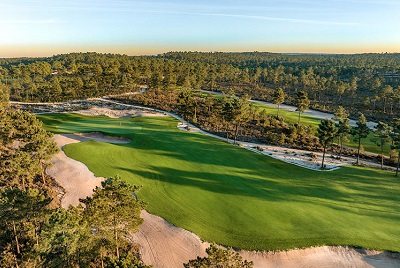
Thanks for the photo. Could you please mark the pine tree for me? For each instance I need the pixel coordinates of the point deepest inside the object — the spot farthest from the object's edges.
(22, 213)
(25, 148)
(382, 134)
(302, 103)
(218, 257)
(114, 211)
(343, 126)
(279, 97)
(396, 140)
(360, 131)
(65, 239)
(326, 133)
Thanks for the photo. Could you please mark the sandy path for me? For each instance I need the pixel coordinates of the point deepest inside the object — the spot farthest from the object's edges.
(165, 245)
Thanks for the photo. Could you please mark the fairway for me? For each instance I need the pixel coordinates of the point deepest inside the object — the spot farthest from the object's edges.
(234, 197)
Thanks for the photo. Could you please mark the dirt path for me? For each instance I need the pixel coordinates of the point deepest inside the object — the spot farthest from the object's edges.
(165, 245)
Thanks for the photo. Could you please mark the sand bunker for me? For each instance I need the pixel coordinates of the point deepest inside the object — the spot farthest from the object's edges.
(76, 179)
(119, 113)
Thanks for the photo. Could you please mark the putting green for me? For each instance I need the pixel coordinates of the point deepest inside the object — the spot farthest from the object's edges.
(74, 123)
(234, 197)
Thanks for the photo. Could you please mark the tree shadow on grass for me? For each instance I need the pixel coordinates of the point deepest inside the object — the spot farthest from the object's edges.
(274, 189)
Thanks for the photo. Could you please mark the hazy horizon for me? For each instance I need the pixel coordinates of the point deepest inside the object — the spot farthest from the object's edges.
(42, 28)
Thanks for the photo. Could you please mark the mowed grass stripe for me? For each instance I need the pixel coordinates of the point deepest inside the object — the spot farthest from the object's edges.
(235, 197)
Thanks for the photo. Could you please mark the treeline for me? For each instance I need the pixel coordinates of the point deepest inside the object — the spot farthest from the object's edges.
(366, 82)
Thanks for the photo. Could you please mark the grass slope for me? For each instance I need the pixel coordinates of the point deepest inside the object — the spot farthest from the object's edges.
(238, 198)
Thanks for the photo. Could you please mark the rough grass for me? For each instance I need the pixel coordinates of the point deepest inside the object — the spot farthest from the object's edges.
(234, 197)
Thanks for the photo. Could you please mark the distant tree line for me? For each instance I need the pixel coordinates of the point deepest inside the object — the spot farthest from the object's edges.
(367, 83)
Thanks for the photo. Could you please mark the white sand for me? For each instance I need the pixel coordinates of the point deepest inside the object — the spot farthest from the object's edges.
(119, 113)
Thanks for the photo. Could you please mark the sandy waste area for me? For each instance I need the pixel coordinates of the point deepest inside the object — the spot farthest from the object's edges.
(165, 245)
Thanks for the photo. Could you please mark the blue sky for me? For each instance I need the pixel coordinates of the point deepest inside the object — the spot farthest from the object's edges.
(44, 27)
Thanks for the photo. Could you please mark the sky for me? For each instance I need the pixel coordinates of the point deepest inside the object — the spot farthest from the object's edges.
(48, 27)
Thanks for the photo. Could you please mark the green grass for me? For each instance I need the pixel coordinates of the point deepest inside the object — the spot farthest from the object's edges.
(75, 123)
(288, 116)
(235, 197)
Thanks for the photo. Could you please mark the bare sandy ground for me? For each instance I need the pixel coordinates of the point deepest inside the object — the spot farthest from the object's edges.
(119, 113)
(165, 245)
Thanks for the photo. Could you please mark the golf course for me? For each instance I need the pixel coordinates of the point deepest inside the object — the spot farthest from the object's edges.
(234, 197)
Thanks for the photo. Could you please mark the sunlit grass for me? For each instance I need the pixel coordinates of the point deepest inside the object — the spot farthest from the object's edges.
(235, 197)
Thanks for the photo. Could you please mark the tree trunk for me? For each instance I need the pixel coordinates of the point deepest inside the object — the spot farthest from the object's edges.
(43, 176)
(323, 157)
(23, 184)
(116, 243)
(381, 154)
(340, 147)
(398, 164)
(101, 257)
(16, 261)
(298, 122)
(384, 106)
(236, 133)
(116, 236)
(358, 151)
(391, 107)
(37, 237)
(16, 238)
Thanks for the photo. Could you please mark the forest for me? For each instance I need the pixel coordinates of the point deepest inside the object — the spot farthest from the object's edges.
(367, 83)
(360, 83)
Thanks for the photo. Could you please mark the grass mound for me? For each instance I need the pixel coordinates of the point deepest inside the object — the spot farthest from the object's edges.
(234, 197)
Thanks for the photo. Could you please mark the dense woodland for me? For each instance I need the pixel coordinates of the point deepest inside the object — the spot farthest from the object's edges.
(367, 83)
